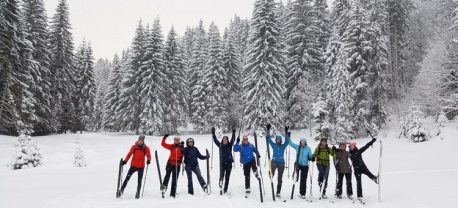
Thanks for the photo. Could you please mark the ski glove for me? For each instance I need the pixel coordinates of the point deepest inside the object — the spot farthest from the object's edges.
(238, 139)
(182, 143)
(334, 148)
(258, 156)
(165, 136)
(148, 162)
(124, 162)
(289, 134)
(268, 126)
(313, 159)
(286, 128)
(233, 130)
(213, 130)
(208, 156)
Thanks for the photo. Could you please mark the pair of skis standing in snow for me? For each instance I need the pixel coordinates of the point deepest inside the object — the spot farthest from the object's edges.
(178, 152)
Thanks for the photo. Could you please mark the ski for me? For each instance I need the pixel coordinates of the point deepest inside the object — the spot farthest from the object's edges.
(324, 184)
(270, 166)
(159, 173)
(259, 166)
(303, 197)
(361, 201)
(209, 190)
(118, 191)
(378, 175)
(311, 181)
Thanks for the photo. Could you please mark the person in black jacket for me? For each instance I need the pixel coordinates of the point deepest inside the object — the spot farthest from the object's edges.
(225, 148)
(359, 166)
(191, 153)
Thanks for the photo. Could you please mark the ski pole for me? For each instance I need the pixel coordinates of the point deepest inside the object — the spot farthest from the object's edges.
(212, 153)
(144, 182)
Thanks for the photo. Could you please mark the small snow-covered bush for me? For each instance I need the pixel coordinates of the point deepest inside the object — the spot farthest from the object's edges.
(80, 160)
(413, 125)
(441, 121)
(26, 153)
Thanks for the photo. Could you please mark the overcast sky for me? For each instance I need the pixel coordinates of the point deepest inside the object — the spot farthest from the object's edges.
(110, 24)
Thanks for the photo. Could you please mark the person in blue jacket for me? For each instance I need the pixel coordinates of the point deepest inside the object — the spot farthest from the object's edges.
(247, 152)
(303, 156)
(191, 153)
(278, 159)
(225, 149)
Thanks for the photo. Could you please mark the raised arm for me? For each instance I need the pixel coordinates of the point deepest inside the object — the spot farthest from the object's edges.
(291, 143)
(237, 147)
(367, 146)
(233, 137)
(200, 156)
(216, 140)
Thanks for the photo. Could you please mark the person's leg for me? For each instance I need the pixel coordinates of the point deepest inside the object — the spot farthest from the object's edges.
(359, 189)
(303, 181)
(189, 174)
(274, 167)
(326, 176)
(129, 174)
(369, 174)
(168, 171)
(349, 185)
(140, 178)
(246, 173)
(228, 169)
(254, 167)
(175, 174)
(321, 171)
(201, 180)
(339, 184)
(281, 169)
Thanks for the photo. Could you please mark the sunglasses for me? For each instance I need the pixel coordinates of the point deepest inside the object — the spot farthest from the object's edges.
(245, 139)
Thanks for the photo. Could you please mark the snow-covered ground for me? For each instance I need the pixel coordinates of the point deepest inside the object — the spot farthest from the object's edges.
(413, 175)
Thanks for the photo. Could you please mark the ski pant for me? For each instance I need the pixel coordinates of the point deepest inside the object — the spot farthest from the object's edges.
(189, 169)
(358, 173)
(226, 174)
(340, 182)
(131, 171)
(246, 171)
(323, 174)
(175, 171)
(281, 169)
(303, 178)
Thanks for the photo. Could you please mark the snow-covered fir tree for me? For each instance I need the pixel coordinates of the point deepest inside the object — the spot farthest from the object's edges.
(153, 84)
(63, 83)
(178, 87)
(113, 94)
(413, 125)
(79, 157)
(102, 70)
(319, 113)
(16, 98)
(238, 31)
(36, 28)
(217, 82)
(441, 122)
(265, 76)
(26, 153)
(130, 105)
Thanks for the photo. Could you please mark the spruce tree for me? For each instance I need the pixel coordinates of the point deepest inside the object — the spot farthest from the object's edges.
(113, 94)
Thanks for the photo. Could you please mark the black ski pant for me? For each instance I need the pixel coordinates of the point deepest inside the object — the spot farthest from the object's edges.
(323, 174)
(340, 182)
(358, 173)
(189, 169)
(281, 169)
(226, 174)
(246, 171)
(175, 171)
(303, 170)
(131, 171)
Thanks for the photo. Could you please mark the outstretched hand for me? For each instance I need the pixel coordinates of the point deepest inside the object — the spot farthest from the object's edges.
(165, 136)
(286, 128)
(238, 139)
(213, 130)
(268, 126)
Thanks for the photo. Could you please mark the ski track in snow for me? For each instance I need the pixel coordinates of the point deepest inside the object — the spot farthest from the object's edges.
(413, 175)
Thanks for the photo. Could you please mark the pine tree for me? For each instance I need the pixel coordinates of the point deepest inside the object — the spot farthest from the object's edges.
(113, 94)
(102, 70)
(216, 79)
(413, 125)
(178, 88)
(264, 84)
(62, 69)
(35, 25)
(16, 99)
(441, 122)
(79, 159)
(26, 153)
(154, 82)
(130, 105)
(319, 113)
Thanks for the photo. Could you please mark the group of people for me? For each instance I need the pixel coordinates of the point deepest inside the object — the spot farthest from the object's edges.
(249, 153)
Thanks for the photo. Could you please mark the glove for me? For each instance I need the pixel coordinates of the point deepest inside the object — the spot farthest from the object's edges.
(286, 128)
(213, 130)
(313, 159)
(208, 157)
(268, 126)
(148, 162)
(124, 162)
(233, 130)
(238, 139)
(182, 143)
(334, 148)
(289, 134)
(165, 136)
(258, 156)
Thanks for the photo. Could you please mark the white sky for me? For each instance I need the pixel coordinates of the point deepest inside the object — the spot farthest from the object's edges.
(110, 24)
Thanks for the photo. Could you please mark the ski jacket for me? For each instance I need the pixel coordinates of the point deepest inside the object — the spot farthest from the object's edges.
(278, 149)
(342, 161)
(322, 155)
(247, 151)
(225, 149)
(175, 153)
(139, 152)
(356, 155)
(305, 153)
(190, 156)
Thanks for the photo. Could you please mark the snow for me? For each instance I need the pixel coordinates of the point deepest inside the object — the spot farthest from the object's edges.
(414, 174)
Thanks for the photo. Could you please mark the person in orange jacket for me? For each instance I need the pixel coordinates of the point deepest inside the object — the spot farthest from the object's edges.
(139, 150)
(173, 164)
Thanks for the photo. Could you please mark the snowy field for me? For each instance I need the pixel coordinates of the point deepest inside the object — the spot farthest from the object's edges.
(414, 175)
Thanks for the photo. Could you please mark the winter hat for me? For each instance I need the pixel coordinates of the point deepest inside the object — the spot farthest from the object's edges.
(177, 138)
(353, 144)
(278, 136)
(324, 139)
(142, 137)
(190, 140)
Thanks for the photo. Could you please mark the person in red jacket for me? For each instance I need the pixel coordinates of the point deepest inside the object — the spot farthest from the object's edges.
(173, 164)
(139, 150)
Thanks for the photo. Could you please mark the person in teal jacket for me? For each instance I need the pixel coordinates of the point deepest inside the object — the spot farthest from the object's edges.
(303, 156)
(247, 151)
(278, 159)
